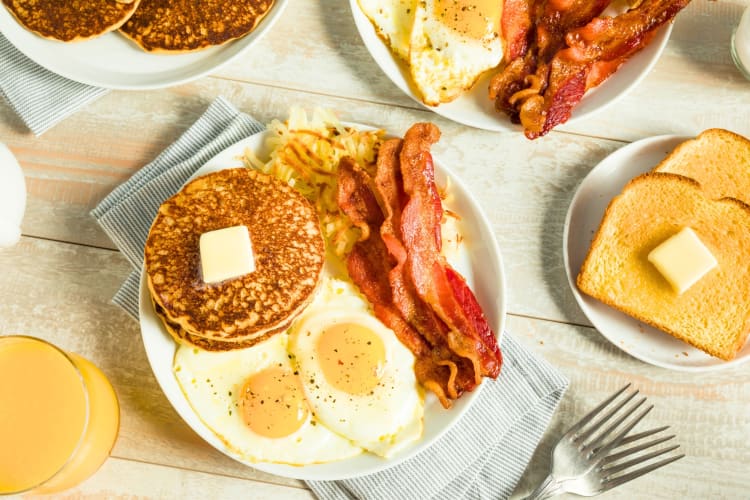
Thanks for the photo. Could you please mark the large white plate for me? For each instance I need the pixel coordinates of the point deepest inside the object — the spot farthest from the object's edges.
(604, 182)
(114, 62)
(484, 274)
(475, 108)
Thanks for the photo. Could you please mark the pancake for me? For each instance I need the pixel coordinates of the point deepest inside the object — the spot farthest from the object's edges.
(183, 337)
(71, 21)
(287, 244)
(183, 26)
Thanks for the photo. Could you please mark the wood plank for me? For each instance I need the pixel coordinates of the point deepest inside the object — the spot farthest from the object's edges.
(127, 479)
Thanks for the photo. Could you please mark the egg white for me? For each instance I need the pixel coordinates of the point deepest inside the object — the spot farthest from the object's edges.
(445, 63)
(212, 381)
(384, 421)
(392, 20)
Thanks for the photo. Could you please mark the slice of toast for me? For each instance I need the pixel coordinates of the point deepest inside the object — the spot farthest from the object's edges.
(712, 315)
(718, 159)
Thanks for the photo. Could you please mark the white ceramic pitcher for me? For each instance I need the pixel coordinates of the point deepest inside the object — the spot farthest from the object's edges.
(12, 198)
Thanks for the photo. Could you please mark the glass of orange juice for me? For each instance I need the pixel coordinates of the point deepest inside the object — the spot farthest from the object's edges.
(59, 417)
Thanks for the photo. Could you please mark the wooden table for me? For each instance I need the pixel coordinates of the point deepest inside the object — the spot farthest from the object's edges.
(58, 281)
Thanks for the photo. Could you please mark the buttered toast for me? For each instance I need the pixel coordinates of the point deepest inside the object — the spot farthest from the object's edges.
(718, 159)
(713, 314)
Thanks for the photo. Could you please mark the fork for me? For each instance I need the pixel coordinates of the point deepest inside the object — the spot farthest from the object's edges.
(584, 464)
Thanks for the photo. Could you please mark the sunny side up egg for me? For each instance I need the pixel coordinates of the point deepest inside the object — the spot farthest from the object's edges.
(358, 377)
(448, 44)
(252, 400)
(453, 42)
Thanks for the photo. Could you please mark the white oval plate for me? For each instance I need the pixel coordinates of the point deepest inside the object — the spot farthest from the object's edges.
(112, 61)
(484, 274)
(604, 182)
(475, 108)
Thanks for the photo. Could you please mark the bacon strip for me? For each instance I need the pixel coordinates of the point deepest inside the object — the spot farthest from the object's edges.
(574, 50)
(420, 315)
(399, 268)
(369, 265)
(420, 226)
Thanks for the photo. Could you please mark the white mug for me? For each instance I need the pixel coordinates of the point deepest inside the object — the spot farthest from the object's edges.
(12, 198)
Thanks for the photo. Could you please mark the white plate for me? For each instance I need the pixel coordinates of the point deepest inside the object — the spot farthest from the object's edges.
(475, 108)
(114, 62)
(604, 182)
(488, 285)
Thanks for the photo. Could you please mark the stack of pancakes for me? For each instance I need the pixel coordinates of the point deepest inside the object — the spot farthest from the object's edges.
(288, 248)
(169, 26)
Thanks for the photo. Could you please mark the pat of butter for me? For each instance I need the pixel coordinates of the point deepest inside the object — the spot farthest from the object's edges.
(226, 253)
(683, 259)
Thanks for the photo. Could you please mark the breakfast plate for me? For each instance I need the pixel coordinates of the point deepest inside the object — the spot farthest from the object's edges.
(475, 108)
(482, 267)
(604, 182)
(114, 62)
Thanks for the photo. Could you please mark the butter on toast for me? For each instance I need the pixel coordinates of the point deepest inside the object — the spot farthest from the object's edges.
(718, 159)
(714, 314)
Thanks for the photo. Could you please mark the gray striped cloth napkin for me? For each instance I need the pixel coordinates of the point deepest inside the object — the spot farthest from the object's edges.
(40, 97)
(482, 456)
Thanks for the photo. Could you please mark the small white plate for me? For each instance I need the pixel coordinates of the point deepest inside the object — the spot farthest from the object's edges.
(484, 273)
(475, 108)
(604, 182)
(112, 61)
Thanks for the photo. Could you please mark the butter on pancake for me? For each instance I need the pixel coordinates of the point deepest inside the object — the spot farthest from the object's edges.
(184, 25)
(289, 253)
(71, 21)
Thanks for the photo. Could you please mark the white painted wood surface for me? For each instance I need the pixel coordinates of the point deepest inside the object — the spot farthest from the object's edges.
(56, 283)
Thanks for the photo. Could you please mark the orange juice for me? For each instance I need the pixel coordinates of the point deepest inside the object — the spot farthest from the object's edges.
(58, 417)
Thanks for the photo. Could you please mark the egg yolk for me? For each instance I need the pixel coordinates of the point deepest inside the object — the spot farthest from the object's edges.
(472, 18)
(272, 403)
(351, 357)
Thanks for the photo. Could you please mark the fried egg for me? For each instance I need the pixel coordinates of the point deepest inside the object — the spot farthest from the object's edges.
(358, 377)
(254, 402)
(392, 20)
(452, 43)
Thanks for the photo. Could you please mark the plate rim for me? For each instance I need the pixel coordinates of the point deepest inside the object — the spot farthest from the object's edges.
(303, 472)
(193, 70)
(500, 122)
(586, 303)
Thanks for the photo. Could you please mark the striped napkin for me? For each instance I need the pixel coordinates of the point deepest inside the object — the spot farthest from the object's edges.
(40, 97)
(482, 456)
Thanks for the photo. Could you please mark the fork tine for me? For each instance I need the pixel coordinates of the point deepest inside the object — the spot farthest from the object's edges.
(614, 469)
(622, 454)
(596, 441)
(587, 418)
(605, 418)
(635, 437)
(611, 483)
(622, 433)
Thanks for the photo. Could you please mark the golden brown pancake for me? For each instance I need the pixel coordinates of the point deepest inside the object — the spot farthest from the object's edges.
(287, 245)
(70, 21)
(184, 25)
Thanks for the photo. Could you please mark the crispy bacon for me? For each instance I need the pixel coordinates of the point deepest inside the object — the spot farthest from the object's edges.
(427, 268)
(516, 24)
(399, 268)
(573, 50)
(369, 265)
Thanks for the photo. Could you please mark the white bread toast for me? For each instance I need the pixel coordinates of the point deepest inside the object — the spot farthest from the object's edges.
(718, 159)
(712, 315)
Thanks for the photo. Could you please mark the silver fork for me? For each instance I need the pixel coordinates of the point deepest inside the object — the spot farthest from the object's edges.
(584, 463)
